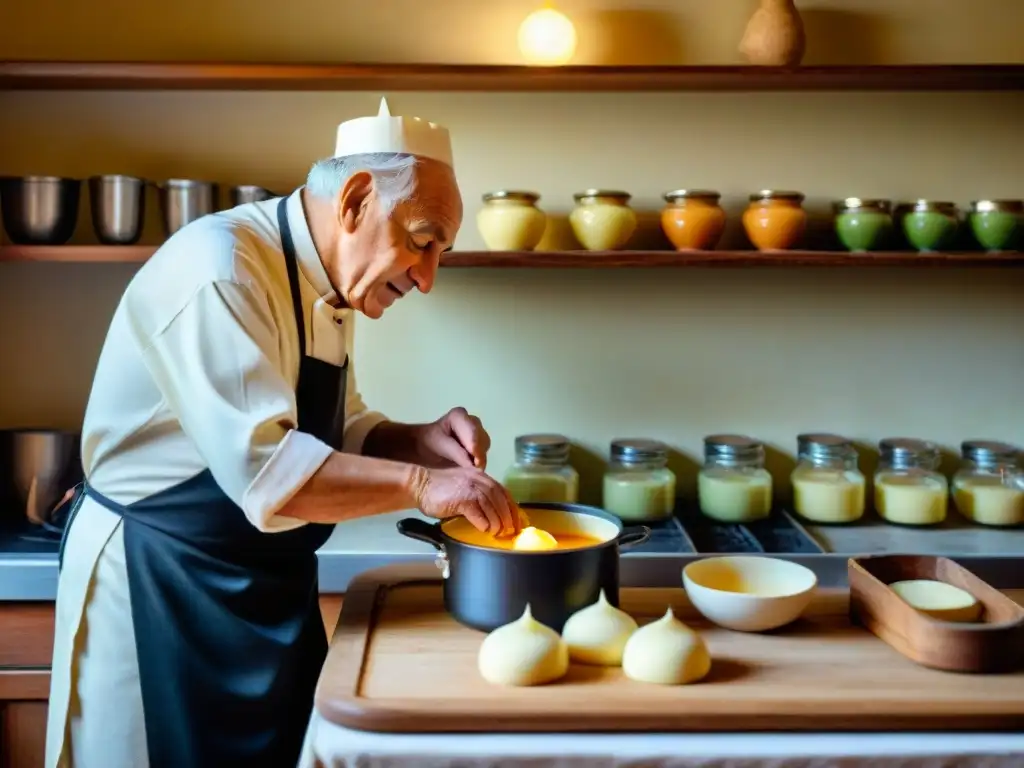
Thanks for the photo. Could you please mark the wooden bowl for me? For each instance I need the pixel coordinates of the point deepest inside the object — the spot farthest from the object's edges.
(995, 644)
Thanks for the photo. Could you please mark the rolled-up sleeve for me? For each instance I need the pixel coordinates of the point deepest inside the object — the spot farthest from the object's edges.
(217, 364)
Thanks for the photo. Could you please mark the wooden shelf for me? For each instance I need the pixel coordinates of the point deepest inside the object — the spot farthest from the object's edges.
(146, 76)
(77, 253)
(583, 259)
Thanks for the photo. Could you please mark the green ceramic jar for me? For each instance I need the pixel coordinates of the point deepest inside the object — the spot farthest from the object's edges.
(863, 225)
(998, 225)
(930, 225)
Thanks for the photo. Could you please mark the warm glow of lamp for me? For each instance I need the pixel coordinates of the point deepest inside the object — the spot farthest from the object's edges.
(547, 38)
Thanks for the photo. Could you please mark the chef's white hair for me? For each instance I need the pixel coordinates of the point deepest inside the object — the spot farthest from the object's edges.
(393, 176)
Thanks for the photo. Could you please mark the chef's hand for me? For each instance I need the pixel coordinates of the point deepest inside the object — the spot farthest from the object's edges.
(481, 499)
(456, 439)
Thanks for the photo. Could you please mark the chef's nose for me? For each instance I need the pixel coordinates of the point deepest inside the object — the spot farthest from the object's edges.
(423, 274)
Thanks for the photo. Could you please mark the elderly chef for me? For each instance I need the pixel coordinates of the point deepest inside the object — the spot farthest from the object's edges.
(223, 436)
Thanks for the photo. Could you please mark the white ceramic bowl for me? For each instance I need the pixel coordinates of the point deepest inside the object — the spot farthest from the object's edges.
(749, 593)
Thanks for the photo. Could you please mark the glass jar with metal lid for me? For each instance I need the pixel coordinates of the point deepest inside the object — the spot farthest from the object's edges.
(602, 219)
(863, 225)
(511, 220)
(998, 225)
(930, 225)
(828, 486)
(638, 485)
(693, 220)
(775, 220)
(909, 489)
(541, 471)
(733, 486)
(989, 486)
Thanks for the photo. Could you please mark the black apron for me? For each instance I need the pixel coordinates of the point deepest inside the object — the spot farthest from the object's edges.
(227, 619)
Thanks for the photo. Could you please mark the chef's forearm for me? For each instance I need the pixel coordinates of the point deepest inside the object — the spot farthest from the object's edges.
(348, 486)
(391, 440)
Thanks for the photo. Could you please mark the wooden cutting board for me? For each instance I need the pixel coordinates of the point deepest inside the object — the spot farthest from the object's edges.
(399, 663)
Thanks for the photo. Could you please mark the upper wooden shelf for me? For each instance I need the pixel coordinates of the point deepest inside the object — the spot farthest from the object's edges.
(149, 76)
(583, 259)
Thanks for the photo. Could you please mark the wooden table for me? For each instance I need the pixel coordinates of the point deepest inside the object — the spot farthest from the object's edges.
(329, 744)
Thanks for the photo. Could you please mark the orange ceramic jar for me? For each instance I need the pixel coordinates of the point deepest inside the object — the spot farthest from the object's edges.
(693, 220)
(775, 221)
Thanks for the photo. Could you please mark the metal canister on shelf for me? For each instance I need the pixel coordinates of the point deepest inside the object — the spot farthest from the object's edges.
(182, 201)
(39, 210)
(118, 207)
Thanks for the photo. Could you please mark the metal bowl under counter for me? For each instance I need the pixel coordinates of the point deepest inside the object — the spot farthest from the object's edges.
(39, 210)
(118, 208)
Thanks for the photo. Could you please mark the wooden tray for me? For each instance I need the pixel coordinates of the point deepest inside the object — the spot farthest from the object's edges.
(399, 663)
(995, 644)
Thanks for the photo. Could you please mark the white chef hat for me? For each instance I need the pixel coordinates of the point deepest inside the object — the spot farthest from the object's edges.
(384, 133)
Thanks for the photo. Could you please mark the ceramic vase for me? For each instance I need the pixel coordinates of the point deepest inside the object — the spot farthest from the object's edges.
(775, 35)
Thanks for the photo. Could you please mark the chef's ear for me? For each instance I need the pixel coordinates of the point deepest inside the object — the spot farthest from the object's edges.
(353, 199)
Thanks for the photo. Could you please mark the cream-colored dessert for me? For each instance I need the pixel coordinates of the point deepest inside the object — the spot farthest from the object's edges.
(532, 539)
(666, 652)
(938, 599)
(523, 653)
(598, 633)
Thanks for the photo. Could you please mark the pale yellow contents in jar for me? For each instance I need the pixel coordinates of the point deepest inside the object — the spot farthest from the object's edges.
(532, 539)
(911, 499)
(734, 497)
(602, 225)
(829, 495)
(988, 501)
(511, 225)
(640, 495)
(533, 485)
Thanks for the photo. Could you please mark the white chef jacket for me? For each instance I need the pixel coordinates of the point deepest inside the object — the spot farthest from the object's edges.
(198, 371)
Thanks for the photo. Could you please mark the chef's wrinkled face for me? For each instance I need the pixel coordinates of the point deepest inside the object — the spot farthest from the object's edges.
(386, 255)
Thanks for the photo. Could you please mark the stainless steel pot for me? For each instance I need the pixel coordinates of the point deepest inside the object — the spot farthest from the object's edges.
(118, 208)
(485, 588)
(41, 466)
(39, 210)
(182, 201)
(249, 193)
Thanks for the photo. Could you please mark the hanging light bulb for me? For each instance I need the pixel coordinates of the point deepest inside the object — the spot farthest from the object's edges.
(547, 37)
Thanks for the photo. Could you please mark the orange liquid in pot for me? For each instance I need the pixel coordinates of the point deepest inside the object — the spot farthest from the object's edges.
(570, 531)
(564, 541)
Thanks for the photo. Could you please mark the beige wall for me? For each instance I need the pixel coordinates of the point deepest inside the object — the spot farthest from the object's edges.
(668, 354)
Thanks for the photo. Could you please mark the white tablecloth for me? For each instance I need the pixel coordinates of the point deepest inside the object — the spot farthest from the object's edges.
(331, 746)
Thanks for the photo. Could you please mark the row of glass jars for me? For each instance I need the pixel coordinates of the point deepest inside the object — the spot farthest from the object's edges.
(774, 220)
(733, 486)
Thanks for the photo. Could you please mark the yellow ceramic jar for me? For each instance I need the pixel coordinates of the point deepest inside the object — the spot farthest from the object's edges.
(511, 221)
(693, 220)
(775, 221)
(602, 219)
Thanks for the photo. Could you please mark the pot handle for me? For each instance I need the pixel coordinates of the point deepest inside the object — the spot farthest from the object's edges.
(421, 530)
(630, 537)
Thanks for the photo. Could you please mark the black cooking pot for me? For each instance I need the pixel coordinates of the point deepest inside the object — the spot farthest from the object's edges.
(485, 588)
